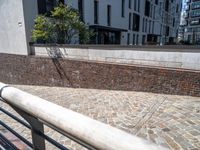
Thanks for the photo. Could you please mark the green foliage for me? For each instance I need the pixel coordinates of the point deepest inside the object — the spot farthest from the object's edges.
(85, 35)
(42, 29)
(63, 25)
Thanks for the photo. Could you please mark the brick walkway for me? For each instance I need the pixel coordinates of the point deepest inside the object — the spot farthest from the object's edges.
(168, 120)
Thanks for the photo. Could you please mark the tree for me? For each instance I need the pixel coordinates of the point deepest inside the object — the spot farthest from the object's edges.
(42, 29)
(63, 25)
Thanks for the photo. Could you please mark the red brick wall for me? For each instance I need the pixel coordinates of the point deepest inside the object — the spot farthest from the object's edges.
(70, 73)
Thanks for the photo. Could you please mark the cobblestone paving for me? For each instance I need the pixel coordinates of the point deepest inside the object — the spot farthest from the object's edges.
(169, 120)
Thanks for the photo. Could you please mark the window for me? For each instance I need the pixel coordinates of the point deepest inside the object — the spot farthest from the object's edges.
(173, 22)
(189, 38)
(138, 5)
(195, 22)
(153, 28)
(46, 6)
(177, 8)
(154, 12)
(123, 7)
(146, 21)
(128, 38)
(96, 12)
(136, 22)
(129, 4)
(151, 11)
(149, 26)
(195, 13)
(143, 39)
(167, 5)
(143, 23)
(129, 24)
(135, 5)
(195, 5)
(137, 39)
(167, 31)
(109, 15)
(42, 6)
(147, 8)
(134, 39)
(61, 1)
(80, 8)
(156, 2)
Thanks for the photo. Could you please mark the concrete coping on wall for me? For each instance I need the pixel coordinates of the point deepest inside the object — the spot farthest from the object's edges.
(155, 56)
(124, 64)
(167, 48)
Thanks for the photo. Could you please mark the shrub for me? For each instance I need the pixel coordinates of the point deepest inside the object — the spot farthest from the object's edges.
(62, 26)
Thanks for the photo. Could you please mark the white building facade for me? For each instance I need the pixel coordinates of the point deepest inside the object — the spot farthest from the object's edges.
(16, 23)
(125, 22)
(131, 22)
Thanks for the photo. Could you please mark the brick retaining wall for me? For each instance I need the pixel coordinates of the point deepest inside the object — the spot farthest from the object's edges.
(32, 70)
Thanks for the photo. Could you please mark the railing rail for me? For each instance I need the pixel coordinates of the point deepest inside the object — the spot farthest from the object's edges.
(90, 133)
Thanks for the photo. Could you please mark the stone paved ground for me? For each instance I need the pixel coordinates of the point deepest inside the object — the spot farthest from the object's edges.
(168, 120)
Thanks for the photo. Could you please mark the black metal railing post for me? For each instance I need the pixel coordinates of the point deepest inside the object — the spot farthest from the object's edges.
(37, 129)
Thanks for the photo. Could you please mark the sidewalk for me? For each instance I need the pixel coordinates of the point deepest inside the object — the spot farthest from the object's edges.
(169, 120)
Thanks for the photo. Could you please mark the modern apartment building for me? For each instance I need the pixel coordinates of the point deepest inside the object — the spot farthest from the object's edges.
(125, 22)
(131, 22)
(192, 21)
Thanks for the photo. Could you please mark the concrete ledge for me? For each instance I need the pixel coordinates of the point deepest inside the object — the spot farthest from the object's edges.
(148, 56)
(186, 48)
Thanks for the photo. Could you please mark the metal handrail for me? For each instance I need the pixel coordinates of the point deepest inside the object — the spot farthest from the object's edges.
(82, 129)
(49, 139)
